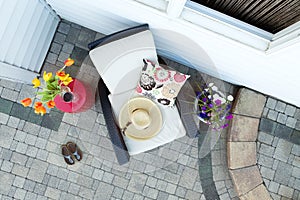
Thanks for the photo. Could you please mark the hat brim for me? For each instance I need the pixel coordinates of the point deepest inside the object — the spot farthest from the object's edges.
(154, 113)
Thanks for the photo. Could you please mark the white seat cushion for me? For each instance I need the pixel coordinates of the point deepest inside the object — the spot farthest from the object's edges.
(172, 125)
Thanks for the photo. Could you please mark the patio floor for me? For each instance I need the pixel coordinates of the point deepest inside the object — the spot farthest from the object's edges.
(32, 167)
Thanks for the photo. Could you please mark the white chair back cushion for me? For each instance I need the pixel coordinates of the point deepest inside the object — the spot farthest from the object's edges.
(119, 63)
(124, 72)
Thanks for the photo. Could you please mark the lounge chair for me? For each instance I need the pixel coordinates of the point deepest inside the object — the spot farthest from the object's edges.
(119, 60)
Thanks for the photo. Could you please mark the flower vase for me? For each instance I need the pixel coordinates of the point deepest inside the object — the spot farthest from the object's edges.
(67, 95)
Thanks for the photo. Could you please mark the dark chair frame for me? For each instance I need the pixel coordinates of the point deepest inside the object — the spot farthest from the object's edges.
(113, 130)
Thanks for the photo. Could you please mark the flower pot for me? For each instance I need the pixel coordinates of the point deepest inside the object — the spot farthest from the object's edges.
(77, 98)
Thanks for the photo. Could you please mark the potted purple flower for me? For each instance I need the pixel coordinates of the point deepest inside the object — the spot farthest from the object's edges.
(213, 107)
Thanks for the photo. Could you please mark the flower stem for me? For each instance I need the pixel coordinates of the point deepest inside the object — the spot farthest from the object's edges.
(62, 68)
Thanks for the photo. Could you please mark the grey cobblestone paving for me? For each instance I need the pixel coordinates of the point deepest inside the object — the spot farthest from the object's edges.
(12, 110)
(278, 149)
(31, 165)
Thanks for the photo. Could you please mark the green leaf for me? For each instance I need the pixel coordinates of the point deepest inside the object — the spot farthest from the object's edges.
(47, 98)
(50, 86)
(55, 84)
(51, 79)
(40, 93)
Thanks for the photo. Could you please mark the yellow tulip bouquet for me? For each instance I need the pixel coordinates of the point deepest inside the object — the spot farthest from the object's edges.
(53, 87)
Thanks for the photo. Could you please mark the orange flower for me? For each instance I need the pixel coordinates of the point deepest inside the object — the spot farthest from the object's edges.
(62, 75)
(36, 82)
(69, 62)
(40, 110)
(51, 104)
(38, 104)
(26, 102)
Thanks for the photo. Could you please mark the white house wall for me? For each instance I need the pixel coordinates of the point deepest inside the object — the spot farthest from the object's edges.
(26, 31)
(275, 74)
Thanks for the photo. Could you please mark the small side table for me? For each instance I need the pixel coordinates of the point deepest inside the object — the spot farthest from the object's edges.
(79, 91)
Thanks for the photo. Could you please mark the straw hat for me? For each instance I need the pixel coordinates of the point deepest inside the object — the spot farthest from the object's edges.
(140, 118)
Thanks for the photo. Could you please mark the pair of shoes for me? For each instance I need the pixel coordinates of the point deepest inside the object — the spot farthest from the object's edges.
(71, 151)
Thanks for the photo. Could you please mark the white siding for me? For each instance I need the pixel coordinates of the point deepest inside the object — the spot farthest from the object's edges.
(235, 54)
(26, 31)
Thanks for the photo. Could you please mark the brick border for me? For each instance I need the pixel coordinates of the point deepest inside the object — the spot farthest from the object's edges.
(241, 146)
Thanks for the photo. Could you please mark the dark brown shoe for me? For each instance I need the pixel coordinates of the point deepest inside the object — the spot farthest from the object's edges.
(67, 155)
(75, 151)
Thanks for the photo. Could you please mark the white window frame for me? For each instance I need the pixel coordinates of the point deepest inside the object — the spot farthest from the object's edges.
(158, 4)
(228, 26)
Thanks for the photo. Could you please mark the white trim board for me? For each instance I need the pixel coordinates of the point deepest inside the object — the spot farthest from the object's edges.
(17, 74)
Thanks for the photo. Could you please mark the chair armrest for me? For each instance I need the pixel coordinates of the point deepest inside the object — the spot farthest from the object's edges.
(118, 35)
(113, 130)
